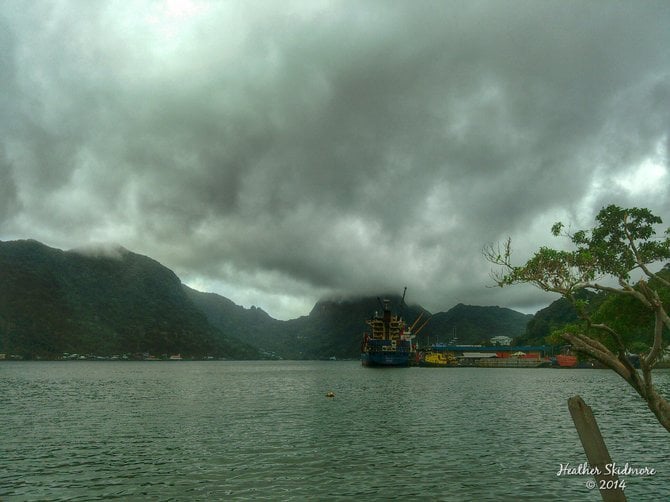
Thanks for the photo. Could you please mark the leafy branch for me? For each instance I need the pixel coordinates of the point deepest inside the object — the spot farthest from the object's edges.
(622, 242)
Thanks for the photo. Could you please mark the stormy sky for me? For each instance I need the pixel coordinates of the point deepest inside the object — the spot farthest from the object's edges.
(276, 152)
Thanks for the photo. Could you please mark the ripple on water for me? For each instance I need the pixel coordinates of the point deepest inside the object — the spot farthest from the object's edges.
(228, 430)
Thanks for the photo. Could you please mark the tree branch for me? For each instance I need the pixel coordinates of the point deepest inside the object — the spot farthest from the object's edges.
(628, 290)
(617, 337)
(619, 244)
(657, 348)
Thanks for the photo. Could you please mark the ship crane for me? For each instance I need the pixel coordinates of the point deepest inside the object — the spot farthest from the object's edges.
(401, 306)
(417, 322)
(423, 326)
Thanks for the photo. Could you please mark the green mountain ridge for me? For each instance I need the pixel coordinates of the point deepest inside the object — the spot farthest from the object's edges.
(623, 313)
(335, 327)
(112, 301)
(470, 324)
(89, 301)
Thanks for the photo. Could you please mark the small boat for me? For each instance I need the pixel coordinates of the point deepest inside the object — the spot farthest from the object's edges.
(435, 359)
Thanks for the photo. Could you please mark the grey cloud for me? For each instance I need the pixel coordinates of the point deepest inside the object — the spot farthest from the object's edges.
(351, 147)
(8, 198)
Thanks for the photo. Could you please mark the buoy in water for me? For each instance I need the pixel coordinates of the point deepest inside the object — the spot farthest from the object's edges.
(330, 394)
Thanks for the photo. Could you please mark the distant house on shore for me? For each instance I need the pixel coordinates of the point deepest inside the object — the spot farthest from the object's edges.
(501, 340)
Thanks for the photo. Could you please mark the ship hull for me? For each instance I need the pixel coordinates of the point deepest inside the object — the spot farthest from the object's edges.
(385, 359)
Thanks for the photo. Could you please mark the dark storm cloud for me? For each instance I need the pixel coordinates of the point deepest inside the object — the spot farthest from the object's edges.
(279, 151)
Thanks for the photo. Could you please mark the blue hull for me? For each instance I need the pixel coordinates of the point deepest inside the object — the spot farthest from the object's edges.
(385, 359)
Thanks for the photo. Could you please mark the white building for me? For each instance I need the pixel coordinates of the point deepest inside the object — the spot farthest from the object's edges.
(501, 340)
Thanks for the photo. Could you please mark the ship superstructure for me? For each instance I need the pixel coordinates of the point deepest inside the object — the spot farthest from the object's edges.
(389, 341)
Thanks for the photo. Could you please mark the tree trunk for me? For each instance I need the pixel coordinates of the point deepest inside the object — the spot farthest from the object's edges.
(658, 405)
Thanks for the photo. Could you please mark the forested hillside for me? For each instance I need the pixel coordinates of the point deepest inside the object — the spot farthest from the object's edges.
(102, 302)
(335, 327)
(112, 301)
(623, 313)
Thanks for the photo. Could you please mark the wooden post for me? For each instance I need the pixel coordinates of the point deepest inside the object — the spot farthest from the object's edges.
(595, 449)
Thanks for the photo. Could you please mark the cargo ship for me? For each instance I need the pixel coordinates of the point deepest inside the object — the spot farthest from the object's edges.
(389, 341)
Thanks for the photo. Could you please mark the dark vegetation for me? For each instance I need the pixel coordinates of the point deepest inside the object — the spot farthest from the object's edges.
(113, 302)
(469, 324)
(623, 313)
(616, 260)
(558, 314)
(334, 327)
(116, 302)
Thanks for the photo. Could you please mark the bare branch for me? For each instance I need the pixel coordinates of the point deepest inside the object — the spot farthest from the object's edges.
(625, 291)
(613, 333)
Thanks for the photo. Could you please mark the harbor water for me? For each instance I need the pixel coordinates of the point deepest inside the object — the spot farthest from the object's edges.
(221, 430)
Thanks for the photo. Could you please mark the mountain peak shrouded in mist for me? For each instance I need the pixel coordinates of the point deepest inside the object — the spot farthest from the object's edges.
(54, 301)
(335, 326)
(101, 250)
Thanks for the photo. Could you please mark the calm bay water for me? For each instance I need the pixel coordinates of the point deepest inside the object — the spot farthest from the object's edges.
(265, 430)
